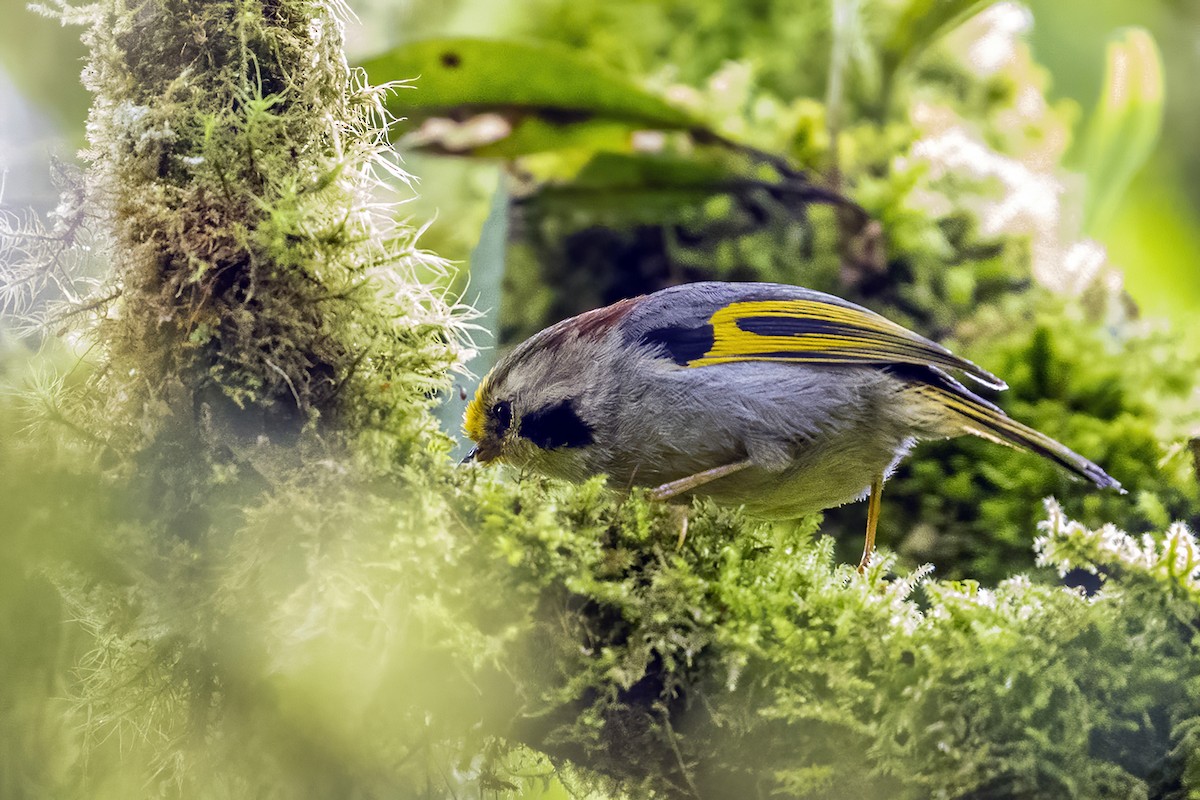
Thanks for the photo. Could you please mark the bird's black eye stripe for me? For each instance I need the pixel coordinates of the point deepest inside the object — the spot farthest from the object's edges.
(557, 425)
(502, 413)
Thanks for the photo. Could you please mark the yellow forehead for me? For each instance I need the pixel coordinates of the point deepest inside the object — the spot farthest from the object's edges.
(475, 419)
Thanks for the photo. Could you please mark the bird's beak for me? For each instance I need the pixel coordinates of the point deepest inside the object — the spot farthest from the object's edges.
(485, 451)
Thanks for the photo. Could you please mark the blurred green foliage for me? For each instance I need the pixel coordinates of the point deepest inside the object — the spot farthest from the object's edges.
(1161, 204)
(1125, 125)
(45, 60)
(788, 46)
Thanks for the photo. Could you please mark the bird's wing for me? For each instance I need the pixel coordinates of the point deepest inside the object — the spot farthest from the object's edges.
(987, 421)
(814, 328)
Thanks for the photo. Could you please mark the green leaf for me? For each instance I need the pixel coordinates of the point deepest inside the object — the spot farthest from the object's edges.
(1125, 126)
(521, 97)
(657, 187)
(642, 186)
(921, 24)
(618, 172)
(513, 134)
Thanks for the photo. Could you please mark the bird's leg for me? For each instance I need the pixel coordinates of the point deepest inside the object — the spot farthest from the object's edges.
(678, 487)
(872, 522)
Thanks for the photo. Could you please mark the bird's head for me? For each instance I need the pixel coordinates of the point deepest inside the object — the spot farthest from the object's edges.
(537, 406)
(489, 423)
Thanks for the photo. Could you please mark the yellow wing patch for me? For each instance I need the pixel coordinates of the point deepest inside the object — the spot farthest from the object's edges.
(815, 331)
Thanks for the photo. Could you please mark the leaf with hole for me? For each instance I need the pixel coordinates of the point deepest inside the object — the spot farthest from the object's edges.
(506, 99)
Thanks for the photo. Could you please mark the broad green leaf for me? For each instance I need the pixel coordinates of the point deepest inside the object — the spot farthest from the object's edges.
(615, 172)
(654, 187)
(498, 135)
(546, 96)
(640, 186)
(1125, 126)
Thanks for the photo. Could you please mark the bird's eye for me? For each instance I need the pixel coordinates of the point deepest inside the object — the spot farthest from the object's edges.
(502, 413)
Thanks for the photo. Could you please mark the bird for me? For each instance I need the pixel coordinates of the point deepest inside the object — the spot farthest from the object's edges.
(776, 398)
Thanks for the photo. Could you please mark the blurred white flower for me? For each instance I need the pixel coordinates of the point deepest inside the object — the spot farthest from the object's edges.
(1081, 265)
(994, 34)
(648, 141)
(460, 136)
(1009, 198)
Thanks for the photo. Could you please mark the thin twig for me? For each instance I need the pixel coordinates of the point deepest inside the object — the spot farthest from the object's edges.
(291, 385)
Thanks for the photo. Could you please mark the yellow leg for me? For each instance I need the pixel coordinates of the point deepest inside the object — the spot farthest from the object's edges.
(872, 522)
(669, 490)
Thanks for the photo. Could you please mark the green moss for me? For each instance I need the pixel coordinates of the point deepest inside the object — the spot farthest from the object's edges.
(341, 636)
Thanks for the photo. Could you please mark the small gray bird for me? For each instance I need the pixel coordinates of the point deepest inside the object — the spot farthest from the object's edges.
(777, 398)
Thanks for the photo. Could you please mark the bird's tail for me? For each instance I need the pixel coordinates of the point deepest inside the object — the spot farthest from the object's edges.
(985, 420)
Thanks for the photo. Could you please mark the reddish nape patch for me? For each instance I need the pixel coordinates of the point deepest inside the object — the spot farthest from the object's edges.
(599, 321)
(590, 325)
(594, 324)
